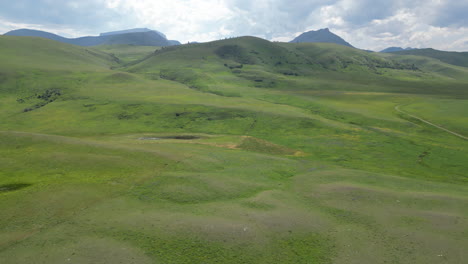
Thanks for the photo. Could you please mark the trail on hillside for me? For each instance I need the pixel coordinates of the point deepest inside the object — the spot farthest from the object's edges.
(397, 108)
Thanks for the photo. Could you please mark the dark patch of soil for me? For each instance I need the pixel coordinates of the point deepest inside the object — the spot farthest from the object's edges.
(186, 137)
(181, 137)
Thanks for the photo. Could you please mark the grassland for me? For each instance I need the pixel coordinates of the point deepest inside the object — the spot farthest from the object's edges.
(235, 151)
(128, 53)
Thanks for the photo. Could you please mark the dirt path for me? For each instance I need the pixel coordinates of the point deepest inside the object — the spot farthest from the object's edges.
(429, 123)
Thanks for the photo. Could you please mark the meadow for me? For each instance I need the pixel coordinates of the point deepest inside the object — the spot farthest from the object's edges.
(233, 151)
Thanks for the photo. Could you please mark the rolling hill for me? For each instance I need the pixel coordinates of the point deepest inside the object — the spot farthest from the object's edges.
(137, 37)
(234, 151)
(454, 58)
(42, 53)
(286, 58)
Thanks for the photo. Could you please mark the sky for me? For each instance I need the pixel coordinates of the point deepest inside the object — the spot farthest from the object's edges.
(366, 24)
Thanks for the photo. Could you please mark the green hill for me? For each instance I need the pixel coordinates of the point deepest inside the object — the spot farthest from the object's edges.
(338, 57)
(260, 63)
(433, 65)
(271, 56)
(454, 58)
(234, 151)
(34, 65)
(127, 53)
(40, 53)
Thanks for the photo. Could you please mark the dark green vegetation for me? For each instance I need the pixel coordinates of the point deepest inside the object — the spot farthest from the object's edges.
(234, 151)
(455, 58)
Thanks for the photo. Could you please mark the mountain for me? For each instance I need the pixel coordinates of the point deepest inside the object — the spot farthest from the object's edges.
(322, 35)
(139, 37)
(135, 30)
(395, 49)
(450, 57)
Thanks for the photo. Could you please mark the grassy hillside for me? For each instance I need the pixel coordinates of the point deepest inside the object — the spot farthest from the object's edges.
(434, 66)
(454, 58)
(234, 151)
(127, 53)
(22, 53)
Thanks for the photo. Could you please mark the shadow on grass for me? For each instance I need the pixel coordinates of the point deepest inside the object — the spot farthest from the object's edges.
(13, 187)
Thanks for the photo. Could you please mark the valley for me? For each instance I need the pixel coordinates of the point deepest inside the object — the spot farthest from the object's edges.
(233, 151)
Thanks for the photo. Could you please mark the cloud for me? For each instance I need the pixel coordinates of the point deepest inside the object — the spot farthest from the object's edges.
(186, 20)
(79, 13)
(406, 28)
(82, 15)
(453, 14)
(62, 30)
(368, 24)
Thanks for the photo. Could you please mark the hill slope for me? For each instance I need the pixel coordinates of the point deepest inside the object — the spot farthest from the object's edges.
(454, 58)
(274, 57)
(432, 65)
(41, 53)
(322, 35)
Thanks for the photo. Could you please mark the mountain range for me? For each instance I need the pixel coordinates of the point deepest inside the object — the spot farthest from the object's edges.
(134, 30)
(395, 49)
(140, 37)
(149, 37)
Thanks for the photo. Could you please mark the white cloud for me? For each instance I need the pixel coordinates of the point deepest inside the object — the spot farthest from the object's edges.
(406, 29)
(61, 30)
(183, 20)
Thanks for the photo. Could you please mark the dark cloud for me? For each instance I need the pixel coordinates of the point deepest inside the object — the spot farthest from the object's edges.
(272, 18)
(80, 13)
(452, 14)
(363, 11)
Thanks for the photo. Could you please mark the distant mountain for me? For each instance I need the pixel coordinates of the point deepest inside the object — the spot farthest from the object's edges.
(174, 42)
(322, 35)
(135, 30)
(450, 57)
(36, 33)
(139, 37)
(395, 49)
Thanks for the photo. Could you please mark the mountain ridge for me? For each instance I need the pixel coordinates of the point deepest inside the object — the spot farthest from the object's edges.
(395, 49)
(140, 37)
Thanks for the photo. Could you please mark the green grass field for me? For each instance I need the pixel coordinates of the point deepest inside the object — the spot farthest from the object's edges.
(234, 151)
